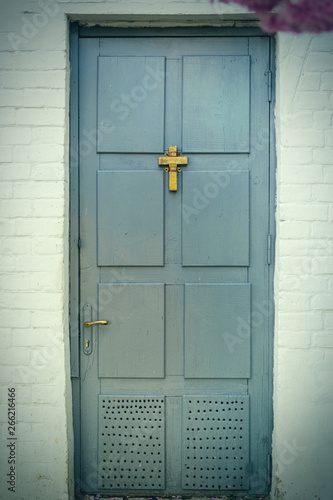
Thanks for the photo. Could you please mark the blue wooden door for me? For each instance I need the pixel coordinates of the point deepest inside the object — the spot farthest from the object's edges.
(175, 387)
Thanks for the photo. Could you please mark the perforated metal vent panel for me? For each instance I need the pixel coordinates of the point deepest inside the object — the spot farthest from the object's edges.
(216, 442)
(131, 442)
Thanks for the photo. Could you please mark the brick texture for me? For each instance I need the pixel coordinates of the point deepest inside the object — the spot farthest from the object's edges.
(33, 113)
(304, 265)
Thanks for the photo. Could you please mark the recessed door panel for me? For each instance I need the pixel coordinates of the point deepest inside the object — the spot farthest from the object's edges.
(130, 218)
(216, 104)
(216, 218)
(132, 344)
(217, 331)
(131, 104)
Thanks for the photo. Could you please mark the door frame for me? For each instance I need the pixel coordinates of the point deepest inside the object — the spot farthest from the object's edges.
(76, 32)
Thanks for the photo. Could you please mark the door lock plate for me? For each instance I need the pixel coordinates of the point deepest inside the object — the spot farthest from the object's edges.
(87, 318)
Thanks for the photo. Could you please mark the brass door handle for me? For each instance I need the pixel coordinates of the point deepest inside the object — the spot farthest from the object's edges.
(99, 322)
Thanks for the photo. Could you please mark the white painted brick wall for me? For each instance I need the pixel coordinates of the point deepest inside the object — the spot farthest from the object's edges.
(33, 298)
(34, 263)
(303, 397)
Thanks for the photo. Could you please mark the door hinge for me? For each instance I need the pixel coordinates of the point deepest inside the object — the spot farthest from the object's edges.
(269, 85)
(79, 242)
(269, 248)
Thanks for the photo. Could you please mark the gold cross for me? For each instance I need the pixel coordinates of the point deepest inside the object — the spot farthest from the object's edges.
(172, 159)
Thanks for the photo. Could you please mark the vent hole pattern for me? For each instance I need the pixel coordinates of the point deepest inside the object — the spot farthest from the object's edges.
(215, 442)
(131, 442)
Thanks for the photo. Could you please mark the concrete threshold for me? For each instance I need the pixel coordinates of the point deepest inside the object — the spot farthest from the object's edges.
(184, 497)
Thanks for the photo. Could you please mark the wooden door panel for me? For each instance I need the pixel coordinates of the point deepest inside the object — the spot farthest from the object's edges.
(131, 442)
(130, 218)
(216, 216)
(132, 344)
(131, 104)
(216, 104)
(215, 445)
(217, 331)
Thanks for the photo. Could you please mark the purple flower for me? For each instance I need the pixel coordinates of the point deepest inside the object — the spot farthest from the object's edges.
(288, 15)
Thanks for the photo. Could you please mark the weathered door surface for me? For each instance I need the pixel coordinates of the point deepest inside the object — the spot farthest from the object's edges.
(175, 388)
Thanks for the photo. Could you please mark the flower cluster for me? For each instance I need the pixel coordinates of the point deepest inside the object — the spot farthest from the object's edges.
(291, 15)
